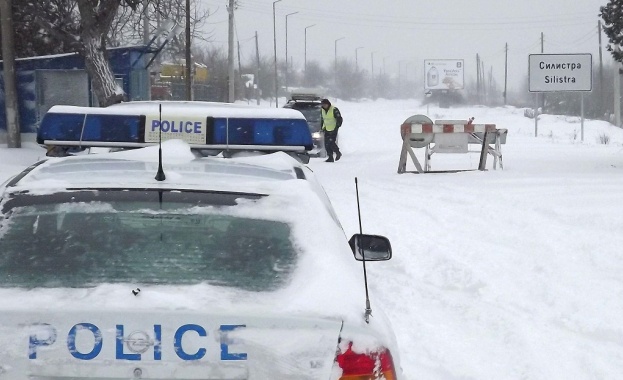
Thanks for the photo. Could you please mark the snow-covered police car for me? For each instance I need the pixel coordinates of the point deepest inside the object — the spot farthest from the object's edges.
(309, 105)
(155, 263)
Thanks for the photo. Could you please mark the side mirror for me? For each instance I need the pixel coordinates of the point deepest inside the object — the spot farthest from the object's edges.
(370, 247)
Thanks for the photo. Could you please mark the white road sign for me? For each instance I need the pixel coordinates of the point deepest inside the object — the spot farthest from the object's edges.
(443, 74)
(560, 72)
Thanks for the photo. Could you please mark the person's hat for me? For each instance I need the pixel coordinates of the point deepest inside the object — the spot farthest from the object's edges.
(325, 101)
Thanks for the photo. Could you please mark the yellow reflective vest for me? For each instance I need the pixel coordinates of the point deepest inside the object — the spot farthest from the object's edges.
(328, 119)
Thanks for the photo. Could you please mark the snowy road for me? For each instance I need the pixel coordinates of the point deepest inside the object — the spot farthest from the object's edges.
(505, 274)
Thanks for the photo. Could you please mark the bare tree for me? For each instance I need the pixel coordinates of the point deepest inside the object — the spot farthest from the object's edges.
(96, 18)
(129, 26)
(45, 27)
(216, 61)
(314, 75)
(349, 81)
(79, 25)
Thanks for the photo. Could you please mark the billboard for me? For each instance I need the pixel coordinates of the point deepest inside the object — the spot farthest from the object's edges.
(560, 72)
(443, 74)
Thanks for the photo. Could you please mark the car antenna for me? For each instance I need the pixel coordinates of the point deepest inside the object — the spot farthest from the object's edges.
(160, 175)
(368, 312)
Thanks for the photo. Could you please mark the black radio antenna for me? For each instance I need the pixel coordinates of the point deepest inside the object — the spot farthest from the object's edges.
(368, 312)
(160, 175)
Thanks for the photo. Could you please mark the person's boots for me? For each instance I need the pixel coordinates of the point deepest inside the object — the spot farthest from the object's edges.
(338, 156)
(330, 159)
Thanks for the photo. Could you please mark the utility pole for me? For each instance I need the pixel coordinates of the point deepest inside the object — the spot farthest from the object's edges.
(372, 64)
(357, 59)
(400, 79)
(230, 55)
(239, 61)
(275, 47)
(146, 42)
(257, 70)
(482, 81)
(601, 71)
(10, 88)
(617, 93)
(491, 80)
(145, 23)
(478, 77)
(505, 70)
(188, 62)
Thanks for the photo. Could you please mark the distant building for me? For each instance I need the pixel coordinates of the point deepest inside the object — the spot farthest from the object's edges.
(49, 80)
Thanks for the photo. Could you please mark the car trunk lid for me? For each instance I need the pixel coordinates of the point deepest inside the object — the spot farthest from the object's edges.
(164, 345)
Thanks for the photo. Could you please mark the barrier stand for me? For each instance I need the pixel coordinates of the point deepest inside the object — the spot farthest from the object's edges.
(448, 136)
(410, 141)
(482, 164)
(498, 139)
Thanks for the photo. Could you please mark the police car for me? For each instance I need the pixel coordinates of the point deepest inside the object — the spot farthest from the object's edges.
(309, 105)
(159, 263)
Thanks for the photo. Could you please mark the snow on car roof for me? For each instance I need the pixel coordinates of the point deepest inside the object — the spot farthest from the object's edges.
(187, 108)
(137, 168)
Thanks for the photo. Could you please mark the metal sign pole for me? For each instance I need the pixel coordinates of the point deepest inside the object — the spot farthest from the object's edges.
(582, 117)
(536, 113)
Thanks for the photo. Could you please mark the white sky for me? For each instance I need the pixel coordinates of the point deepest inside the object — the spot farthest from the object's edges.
(400, 34)
(507, 274)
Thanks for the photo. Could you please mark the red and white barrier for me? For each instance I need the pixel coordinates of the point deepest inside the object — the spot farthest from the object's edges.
(448, 136)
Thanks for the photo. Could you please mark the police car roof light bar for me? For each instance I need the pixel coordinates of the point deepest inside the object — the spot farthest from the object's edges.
(120, 127)
(304, 96)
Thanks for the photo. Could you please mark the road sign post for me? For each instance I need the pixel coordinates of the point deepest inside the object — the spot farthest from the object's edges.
(559, 73)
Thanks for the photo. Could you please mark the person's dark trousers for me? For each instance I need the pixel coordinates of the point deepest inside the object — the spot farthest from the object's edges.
(331, 146)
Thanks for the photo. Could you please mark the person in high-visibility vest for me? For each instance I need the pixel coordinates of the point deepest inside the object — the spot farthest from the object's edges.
(330, 123)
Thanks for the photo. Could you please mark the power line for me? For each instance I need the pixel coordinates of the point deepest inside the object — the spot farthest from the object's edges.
(351, 18)
(366, 18)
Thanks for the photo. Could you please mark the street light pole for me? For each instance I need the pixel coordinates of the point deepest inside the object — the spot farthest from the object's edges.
(307, 27)
(400, 78)
(335, 65)
(372, 74)
(289, 14)
(356, 60)
(275, 47)
(372, 64)
(413, 63)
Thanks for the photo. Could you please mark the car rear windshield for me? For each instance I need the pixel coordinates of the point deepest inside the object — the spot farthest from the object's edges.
(312, 114)
(87, 238)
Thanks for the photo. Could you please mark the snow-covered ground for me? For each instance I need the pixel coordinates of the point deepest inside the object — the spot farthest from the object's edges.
(502, 274)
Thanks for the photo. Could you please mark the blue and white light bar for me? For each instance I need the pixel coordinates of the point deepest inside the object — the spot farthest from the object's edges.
(203, 125)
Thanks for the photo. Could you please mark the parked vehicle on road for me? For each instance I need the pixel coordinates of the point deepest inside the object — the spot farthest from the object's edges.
(309, 105)
(160, 263)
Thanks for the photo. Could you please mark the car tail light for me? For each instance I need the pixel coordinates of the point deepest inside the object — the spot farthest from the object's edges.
(368, 366)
